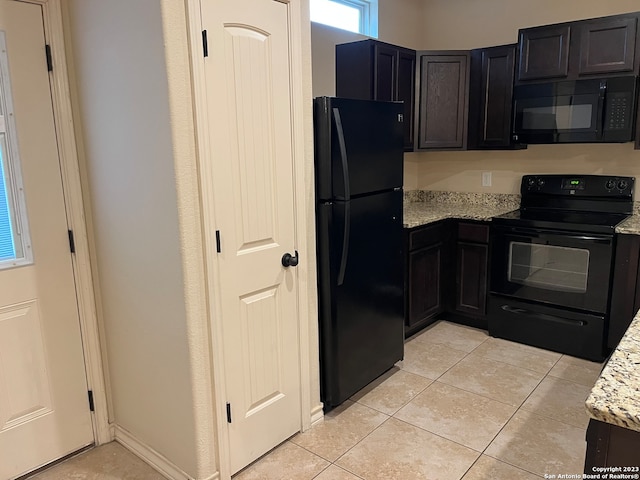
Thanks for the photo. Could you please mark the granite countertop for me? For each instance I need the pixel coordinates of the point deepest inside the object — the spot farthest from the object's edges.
(615, 398)
(631, 225)
(422, 208)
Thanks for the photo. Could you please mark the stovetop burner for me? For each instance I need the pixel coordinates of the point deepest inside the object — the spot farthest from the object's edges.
(587, 222)
(573, 203)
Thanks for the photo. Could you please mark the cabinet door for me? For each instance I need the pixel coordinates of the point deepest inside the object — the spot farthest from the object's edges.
(471, 278)
(385, 70)
(607, 46)
(544, 52)
(425, 296)
(442, 113)
(354, 70)
(494, 99)
(405, 92)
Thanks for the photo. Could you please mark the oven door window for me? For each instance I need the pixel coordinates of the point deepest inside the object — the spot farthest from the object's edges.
(556, 268)
(549, 267)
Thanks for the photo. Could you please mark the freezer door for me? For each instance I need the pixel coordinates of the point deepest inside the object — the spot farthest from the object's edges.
(359, 147)
(361, 293)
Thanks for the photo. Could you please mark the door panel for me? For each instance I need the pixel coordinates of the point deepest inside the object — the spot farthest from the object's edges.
(44, 412)
(249, 108)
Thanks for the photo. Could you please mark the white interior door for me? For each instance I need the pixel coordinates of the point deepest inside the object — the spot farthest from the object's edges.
(44, 412)
(249, 110)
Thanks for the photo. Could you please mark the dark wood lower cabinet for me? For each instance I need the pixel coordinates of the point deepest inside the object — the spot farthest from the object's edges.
(611, 446)
(471, 278)
(426, 277)
(446, 274)
(425, 293)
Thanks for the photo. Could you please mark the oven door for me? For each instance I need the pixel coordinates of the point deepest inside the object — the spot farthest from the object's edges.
(554, 267)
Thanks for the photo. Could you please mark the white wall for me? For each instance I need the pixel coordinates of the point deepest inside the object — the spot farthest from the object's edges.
(123, 108)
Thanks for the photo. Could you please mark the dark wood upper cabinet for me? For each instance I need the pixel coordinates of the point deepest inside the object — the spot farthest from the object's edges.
(603, 46)
(544, 52)
(385, 72)
(373, 70)
(607, 45)
(490, 97)
(406, 92)
(442, 103)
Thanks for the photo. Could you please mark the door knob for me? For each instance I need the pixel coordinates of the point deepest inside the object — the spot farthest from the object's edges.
(289, 260)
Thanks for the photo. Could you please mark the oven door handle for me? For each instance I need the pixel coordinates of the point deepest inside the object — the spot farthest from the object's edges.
(606, 239)
(542, 316)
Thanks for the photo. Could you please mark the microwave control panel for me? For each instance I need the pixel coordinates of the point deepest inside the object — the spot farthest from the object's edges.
(618, 113)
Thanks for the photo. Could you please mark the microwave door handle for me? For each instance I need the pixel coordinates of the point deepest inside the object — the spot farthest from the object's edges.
(601, 113)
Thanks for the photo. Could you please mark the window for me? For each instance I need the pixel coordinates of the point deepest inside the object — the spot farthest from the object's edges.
(359, 16)
(14, 238)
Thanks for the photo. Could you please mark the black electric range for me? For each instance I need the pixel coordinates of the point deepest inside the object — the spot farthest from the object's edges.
(552, 262)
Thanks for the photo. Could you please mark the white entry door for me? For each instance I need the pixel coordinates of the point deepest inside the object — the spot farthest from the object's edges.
(250, 136)
(44, 412)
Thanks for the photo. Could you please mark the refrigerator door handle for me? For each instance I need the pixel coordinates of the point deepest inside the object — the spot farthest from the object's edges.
(347, 195)
(345, 242)
(343, 153)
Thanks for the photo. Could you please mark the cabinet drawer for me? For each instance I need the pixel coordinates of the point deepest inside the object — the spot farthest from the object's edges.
(473, 232)
(424, 236)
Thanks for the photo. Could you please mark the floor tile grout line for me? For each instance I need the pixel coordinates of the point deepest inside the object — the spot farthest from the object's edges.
(513, 415)
(473, 393)
(518, 366)
(515, 466)
(337, 466)
(431, 382)
(357, 443)
(479, 394)
(551, 418)
(438, 435)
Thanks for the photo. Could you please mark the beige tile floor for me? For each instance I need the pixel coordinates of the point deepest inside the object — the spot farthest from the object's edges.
(461, 406)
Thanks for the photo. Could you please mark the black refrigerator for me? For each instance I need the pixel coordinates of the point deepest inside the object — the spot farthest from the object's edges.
(359, 173)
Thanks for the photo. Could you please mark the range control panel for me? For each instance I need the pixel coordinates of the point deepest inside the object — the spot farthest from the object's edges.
(578, 185)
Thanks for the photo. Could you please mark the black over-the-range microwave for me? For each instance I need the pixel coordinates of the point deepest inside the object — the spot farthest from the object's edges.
(591, 110)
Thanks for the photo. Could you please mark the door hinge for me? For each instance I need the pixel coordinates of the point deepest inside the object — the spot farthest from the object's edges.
(72, 242)
(228, 413)
(205, 44)
(91, 405)
(218, 249)
(47, 51)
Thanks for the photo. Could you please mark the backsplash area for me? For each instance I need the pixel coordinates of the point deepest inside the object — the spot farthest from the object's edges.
(506, 200)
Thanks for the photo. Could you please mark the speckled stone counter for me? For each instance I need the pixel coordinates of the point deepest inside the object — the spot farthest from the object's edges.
(631, 225)
(615, 398)
(422, 207)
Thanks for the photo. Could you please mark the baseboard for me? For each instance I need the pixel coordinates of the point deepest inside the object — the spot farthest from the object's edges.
(317, 414)
(153, 458)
